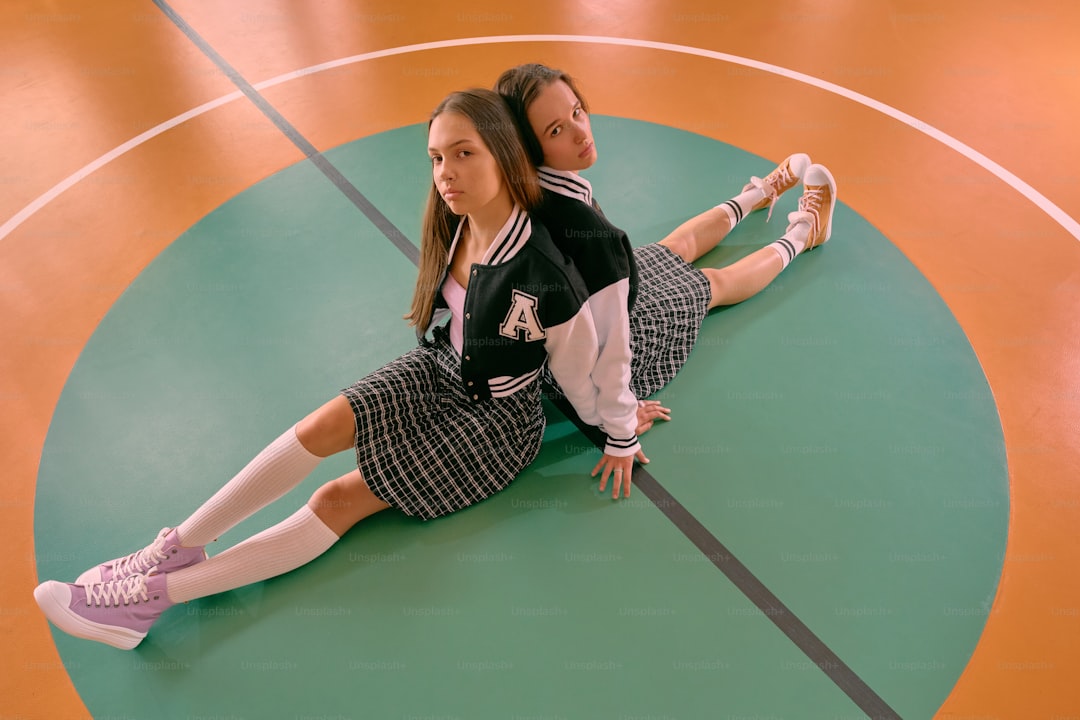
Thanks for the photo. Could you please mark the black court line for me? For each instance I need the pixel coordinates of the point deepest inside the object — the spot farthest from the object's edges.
(771, 606)
(342, 183)
(744, 579)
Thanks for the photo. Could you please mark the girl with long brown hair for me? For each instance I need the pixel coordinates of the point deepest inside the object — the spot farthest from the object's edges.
(442, 427)
(649, 302)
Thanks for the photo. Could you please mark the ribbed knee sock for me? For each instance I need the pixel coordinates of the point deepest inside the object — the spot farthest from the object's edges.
(276, 470)
(293, 542)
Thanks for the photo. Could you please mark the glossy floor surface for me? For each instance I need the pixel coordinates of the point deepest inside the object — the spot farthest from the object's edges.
(881, 447)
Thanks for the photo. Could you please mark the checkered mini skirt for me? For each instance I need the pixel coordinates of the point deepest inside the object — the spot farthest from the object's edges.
(423, 447)
(672, 300)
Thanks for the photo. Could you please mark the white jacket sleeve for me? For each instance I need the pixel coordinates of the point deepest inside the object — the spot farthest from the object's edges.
(615, 403)
(574, 357)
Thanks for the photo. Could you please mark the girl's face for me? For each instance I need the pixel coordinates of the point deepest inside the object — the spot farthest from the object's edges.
(563, 127)
(463, 169)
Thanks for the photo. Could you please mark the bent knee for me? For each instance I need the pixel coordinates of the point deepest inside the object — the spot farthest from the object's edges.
(330, 429)
(343, 502)
(722, 287)
(682, 244)
(729, 287)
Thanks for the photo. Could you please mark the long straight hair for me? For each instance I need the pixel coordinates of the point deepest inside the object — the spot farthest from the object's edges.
(519, 87)
(502, 137)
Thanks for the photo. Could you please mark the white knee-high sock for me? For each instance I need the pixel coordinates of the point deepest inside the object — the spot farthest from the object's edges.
(295, 541)
(741, 205)
(280, 467)
(792, 242)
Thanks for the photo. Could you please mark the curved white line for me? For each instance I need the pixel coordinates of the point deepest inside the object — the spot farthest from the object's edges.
(42, 200)
(1038, 199)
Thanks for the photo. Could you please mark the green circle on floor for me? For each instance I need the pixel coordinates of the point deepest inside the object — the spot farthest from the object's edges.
(835, 432)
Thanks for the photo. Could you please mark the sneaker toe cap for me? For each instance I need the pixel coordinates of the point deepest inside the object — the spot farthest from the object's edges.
(817, 175)
(798, 163)
(51, 595)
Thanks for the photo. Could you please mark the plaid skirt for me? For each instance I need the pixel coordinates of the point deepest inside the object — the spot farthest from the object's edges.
(423, 447)
(672, 300)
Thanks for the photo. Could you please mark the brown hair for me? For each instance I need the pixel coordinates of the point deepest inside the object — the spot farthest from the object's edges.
(519, 87)
(502, 137)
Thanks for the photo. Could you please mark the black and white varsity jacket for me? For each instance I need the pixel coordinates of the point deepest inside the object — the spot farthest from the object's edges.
(526, 304)
(603, 255)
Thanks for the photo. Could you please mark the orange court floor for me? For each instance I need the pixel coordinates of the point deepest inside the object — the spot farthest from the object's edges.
(950, 127)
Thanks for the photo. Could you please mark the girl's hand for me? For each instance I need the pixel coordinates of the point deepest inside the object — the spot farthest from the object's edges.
(648, 412)
(619, 468)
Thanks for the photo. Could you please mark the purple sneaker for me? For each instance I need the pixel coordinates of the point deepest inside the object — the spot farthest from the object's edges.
(163, 555)
(117, 613)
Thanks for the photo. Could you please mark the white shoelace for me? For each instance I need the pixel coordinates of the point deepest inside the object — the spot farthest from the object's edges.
(114, 593)
(811, 203)
(767, 185)
(143, 560)
(813, 198)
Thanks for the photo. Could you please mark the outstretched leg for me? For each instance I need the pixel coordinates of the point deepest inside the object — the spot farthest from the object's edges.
(295, 541)
(702, 233)
(743, 279)
(121, 612)
(276, 470)
(809, 227)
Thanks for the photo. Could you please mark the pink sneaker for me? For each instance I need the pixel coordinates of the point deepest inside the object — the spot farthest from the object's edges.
(117, 613)
(163, 555)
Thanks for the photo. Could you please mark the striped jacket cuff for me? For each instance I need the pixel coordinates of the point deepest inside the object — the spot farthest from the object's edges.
(620, 447)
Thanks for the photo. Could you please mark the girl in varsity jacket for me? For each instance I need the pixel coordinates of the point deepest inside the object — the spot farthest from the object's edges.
(654, 326)
(440, 428)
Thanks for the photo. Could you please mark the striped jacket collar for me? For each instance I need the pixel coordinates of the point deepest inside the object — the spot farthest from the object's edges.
(510, 239)
(566, 183)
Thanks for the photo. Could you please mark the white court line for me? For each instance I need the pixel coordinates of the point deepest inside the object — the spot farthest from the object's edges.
(42, 200)
(1038, 199)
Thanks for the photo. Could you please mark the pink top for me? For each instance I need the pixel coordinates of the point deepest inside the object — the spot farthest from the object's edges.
(454, 295)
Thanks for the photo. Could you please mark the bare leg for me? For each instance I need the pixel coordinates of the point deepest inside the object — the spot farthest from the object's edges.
(329, 430)
(743, 279)
(699, 234)
(809, 227)
(342, 503)
(702, 233)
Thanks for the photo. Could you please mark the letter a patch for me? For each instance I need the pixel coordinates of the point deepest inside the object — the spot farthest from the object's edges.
(522, 321)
